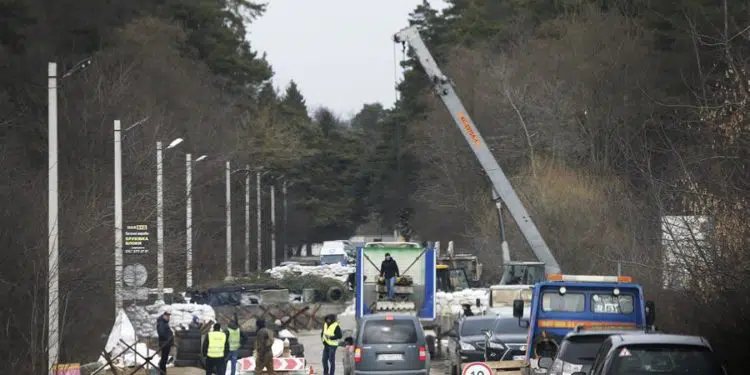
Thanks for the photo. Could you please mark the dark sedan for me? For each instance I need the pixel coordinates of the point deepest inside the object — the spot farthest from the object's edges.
(468, 340)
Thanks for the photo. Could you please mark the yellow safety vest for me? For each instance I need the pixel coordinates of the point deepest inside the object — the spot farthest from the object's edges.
(234, 339)
(216, 342)
(330, 331)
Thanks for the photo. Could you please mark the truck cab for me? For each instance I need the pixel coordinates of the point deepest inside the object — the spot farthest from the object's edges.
(564, 302)
(336, 252)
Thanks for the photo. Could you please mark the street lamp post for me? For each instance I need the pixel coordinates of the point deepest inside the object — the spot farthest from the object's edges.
(53, 213)
(118, 210)
(229, 220)
(160, 215)
(189, 217)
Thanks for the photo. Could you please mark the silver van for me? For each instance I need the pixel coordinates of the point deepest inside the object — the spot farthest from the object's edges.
(387, 344)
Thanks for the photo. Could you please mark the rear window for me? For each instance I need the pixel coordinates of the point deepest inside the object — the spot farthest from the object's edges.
(389, 332)
(609, 304)
(474, 327)
(665, 360)
(581, 349)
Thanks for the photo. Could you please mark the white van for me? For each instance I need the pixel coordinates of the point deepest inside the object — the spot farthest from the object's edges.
(336, 252)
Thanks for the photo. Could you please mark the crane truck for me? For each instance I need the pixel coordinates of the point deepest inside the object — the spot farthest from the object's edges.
(614, 300)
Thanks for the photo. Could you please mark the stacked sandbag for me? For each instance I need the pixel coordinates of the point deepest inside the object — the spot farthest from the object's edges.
(332, 271)
(451, 302)
(144, 317)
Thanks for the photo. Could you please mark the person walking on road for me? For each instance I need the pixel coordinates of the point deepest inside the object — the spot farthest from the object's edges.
(330, 335)
(216, 350)
(235, 342)
(389, 271)
(166, 340)
(263, 343)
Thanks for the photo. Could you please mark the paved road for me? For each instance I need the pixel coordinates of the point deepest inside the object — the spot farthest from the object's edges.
(314, 355)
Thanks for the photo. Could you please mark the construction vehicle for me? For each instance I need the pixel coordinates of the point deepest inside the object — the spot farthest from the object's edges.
(502, 190)
(467, 262)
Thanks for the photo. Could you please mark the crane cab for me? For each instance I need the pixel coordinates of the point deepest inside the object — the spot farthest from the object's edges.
(522, 273)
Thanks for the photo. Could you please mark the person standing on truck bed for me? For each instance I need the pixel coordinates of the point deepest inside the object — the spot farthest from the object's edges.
(216, 350)
(330, 335)
(263, 343)
(389, 271)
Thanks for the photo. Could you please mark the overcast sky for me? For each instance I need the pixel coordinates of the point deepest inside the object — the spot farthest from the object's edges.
(339, 52)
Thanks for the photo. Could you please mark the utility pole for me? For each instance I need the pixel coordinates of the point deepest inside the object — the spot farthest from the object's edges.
(247, 219)
(273, 226)
(53, 305)
(118, 217)
(258, 192)
(285, 237)
(229, 220)
(159, 221)
(188, 221)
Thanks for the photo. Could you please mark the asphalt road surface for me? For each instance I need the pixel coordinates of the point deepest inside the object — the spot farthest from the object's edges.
(314, 355)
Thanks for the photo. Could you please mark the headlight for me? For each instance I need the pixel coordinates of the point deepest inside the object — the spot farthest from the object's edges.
(523, 348)
(496, 345)
(467, 346)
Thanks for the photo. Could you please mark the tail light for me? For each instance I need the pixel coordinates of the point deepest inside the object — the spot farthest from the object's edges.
(422, 353)
(357, 355)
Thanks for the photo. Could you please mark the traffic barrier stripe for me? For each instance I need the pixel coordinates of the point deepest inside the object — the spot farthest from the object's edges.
(279, 364)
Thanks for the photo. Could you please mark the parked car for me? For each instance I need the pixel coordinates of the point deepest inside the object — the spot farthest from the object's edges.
(653, 353)
(578, 349)
(467, 339)
(387, 345)
(506, 341)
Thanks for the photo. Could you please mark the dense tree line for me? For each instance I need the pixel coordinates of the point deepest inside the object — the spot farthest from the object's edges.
(607, 115)
(180, 68)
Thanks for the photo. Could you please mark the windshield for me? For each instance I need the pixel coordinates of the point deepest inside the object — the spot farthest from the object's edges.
(665, 360)
(581, 350)
(330, 259)
(569, 302)
(458, 279)
(509, 326)
(474, 327)
(389, 332)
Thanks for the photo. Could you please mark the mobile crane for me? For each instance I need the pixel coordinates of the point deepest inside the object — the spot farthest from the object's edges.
(514, 272)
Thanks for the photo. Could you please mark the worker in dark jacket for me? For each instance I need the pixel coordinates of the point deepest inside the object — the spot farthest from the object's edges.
(166, 340)
(389, 271)
(216, 351)
(330, 335)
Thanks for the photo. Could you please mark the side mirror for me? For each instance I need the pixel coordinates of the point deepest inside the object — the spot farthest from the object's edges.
(518, 308)
(545, 362)
(479, 302)
(650, 313)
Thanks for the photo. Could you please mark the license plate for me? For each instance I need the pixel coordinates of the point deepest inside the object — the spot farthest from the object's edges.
(519, 357)
(390, 357)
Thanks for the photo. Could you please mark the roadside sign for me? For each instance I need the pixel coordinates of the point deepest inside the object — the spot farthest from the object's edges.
(476, 368)
(134, 275)
(136, 239)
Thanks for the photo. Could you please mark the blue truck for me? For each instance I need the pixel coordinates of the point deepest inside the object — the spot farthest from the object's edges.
(563, 303)
(414, 293)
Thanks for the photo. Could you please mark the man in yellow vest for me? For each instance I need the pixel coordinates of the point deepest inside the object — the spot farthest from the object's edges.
(215, 350)
(330, 335)
(235, 342)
